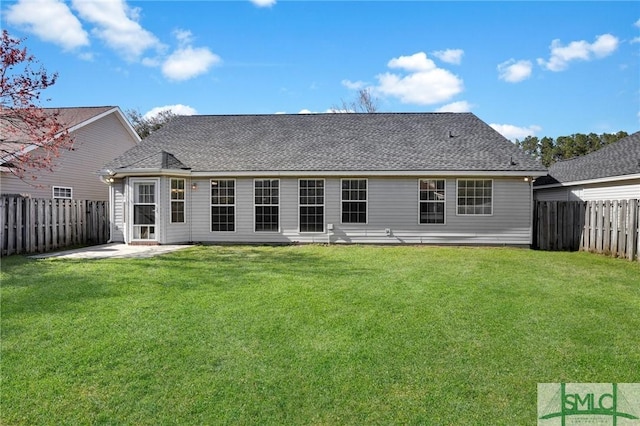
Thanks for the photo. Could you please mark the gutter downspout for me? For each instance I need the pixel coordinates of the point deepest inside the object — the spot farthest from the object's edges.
(112, 213)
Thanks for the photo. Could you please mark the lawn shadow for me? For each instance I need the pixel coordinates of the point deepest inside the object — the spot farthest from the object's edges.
(49, 286)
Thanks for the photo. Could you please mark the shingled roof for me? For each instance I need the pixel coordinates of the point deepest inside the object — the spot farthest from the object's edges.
(328, 142)
(617, 159)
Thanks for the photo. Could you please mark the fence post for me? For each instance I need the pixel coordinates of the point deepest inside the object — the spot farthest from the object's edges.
(637, 231)
(622, 226)
(631, 229)
(3, 233)
(606, 242)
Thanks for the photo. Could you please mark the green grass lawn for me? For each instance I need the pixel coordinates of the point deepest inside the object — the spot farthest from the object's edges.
(311, 335)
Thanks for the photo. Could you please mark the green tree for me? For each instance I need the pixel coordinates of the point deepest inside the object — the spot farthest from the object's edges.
(144, 126)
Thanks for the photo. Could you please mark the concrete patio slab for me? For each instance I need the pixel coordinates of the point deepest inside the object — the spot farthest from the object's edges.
(111, 250)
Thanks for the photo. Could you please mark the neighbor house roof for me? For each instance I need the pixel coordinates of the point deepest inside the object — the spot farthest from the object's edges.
(620, 158)
(391, 142)
(70, 117)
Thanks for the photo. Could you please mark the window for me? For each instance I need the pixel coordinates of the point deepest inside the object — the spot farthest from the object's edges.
(177, 200)
(144, 210)
(311, 205)
(432, 199)
(475, 196)
(223, 205)
(63, 192)
(354, 201)
(266, 193)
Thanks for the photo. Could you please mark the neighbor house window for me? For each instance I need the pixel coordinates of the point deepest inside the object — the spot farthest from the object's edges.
(63, 192)
(223, 205)
(267, 200)
(177, 200)
(311, 205)
(475, 196)
(432, 199)
(354, 201)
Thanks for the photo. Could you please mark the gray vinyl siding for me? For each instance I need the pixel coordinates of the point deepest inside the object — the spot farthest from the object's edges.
(175, 231)
(612, 191)
(622, 190)
(94, 145)
(118, 211)
(392, 204)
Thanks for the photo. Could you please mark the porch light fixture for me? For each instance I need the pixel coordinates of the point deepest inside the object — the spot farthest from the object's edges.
(194, 186)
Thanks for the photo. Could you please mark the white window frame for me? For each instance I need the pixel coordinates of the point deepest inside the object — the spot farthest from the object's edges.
(62, 188)
(444, 202)
(183, 191)
(365, 201)
(458, 198)
(235, 210)
(153, 236)
(324, 210)
(266, 205)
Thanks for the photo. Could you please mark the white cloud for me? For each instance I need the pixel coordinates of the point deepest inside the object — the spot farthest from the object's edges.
(50, 20)
(177, 109)
(635, 40)
(116, 24)
(308, 111)
(604, 45)
(513, 71)
(263, 3)
(512, 132)
(460, 106)
(561, 56)
(416, 62)
(353, 85)
(450, 56)
(425, 84)
(637, 23)
(188, 62)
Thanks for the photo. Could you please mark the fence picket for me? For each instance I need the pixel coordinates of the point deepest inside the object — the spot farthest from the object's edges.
(39, 225)
(633, 225)
(611, 227)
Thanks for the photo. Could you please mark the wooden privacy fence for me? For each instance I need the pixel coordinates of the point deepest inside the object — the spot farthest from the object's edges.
(38, 225)
(610, 227)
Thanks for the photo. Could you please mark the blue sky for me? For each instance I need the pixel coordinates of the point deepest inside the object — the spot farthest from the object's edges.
(527, 68)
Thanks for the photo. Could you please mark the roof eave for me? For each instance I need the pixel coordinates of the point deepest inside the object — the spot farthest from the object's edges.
(290, 173)
(590, 181)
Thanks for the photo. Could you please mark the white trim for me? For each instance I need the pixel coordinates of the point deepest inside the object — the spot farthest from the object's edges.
(366, 173)
(132, 201)
(444, 202)
(589, 181)
(493, 195)
(121, 117)
(183, 200)
(323, 205)
(65, 188)
(253, 194)
(324, 173)
(366, 202)
(235, 210)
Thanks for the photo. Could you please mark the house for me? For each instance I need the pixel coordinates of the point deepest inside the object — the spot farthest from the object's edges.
(436, 178)
(99, 134)
(610, 173)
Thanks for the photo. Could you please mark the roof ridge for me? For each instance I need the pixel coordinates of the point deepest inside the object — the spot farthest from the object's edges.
(317, 114)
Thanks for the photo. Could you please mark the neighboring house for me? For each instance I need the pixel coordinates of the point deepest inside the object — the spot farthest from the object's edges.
(610, 173)
(436, 178)
(99, 134)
